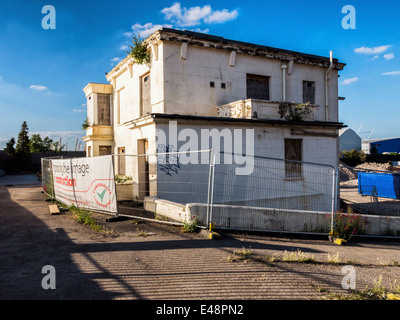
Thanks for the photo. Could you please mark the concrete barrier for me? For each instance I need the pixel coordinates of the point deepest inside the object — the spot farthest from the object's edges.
(265, 219)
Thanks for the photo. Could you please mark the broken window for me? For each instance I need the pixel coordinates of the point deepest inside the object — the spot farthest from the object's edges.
(146, 97)
(103, 109)
(257, 87)
(293, 151)
(309, 92)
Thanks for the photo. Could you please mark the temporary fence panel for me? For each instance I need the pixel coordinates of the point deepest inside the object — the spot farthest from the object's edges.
(276, 195)
(85, 182)
(183, 177)
(47, 177)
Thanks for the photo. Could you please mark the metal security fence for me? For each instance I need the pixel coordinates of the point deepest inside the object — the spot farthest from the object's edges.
(230, 191)
(275, 195)
(47, 176)
(165, 183)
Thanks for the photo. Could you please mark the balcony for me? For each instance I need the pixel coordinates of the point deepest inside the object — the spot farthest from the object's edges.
(272, 110)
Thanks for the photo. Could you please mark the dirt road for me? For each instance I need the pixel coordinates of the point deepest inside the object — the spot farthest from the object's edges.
(154, 261)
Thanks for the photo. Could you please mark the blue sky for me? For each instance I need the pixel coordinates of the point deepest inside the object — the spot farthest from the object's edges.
(43, 72)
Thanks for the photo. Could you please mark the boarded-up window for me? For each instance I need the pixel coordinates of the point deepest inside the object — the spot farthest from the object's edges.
(309, 92)
(104, 150)
(121, 161)
(257, 87)
(103, 109)
(146, 101)
(293, 151)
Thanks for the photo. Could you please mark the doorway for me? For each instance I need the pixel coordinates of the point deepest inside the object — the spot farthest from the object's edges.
(143, 169)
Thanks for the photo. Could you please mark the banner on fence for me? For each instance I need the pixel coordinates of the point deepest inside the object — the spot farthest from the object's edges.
(85, 182)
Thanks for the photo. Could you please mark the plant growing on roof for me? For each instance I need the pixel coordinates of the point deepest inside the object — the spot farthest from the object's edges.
(295, 112)
(138, 50)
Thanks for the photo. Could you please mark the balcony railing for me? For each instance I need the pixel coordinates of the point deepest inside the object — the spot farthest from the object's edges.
(273, 110)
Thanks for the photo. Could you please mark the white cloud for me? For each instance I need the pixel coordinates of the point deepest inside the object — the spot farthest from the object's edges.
(79, 110)
(374, 50)
(388, 56)
(115, 59)
(374, 58)
(123, 47)
(391, 73)
(349, 80)
(193, 16)
(220, 16)
(144, 30)
(38, 88)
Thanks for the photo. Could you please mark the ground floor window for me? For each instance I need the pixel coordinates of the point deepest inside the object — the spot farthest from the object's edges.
(293, 151)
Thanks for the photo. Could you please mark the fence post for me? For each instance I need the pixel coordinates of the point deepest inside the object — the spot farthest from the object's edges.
(335, 174)
(209, 188)
(115, 184)
(212, 188)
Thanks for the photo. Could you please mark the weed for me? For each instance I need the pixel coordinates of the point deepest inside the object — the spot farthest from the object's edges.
(83, 216)
(376, 292)
(242, 254)
(271, 259)
(141, 233)
(298, 256)
(190, 226)
(334, 259)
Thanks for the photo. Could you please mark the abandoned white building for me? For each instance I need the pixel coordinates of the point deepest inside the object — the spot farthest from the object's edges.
(201, 81)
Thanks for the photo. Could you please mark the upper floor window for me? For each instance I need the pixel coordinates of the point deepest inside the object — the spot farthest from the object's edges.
(103, 109)
(309, 92)
(146, 95)
(257, 87)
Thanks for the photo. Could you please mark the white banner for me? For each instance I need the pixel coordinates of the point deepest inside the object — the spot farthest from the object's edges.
(85, 182)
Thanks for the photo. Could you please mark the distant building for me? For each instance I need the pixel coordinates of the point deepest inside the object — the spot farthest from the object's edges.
(382, 145)
(349, 140)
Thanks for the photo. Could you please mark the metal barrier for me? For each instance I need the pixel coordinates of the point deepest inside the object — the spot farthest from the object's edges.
(47, 176)
(239, 192)
(278, 195)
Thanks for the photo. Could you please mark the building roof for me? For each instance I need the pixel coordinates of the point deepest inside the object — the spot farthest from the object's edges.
(377, 140)
(217, 42)
(252, 48)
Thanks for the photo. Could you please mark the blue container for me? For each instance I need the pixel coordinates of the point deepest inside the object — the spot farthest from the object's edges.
(385, 185)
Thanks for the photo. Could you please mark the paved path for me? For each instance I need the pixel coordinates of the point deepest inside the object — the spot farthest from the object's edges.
(19, 179)
(165, 264)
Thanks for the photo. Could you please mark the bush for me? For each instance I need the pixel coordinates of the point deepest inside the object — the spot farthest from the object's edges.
(353, 157)
(349, 224)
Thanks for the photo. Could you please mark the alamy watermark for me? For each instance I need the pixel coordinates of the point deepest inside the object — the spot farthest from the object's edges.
(49, 20)
(349, 20)
(49, 280)
(349, 280)
(237, 146)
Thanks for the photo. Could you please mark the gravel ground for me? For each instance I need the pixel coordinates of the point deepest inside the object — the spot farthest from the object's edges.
(152, 261)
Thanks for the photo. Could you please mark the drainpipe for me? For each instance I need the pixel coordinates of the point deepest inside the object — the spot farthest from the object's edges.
(284, 66)
(326, 87)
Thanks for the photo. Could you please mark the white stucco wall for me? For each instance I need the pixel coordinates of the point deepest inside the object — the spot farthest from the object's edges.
(187, 81)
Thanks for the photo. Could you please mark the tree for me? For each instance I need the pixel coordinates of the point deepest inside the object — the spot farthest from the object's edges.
(10, 149)
(36, 143)
(23, 149)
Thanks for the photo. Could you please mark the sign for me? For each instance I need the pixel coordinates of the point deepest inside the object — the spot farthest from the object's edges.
(85, 182)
